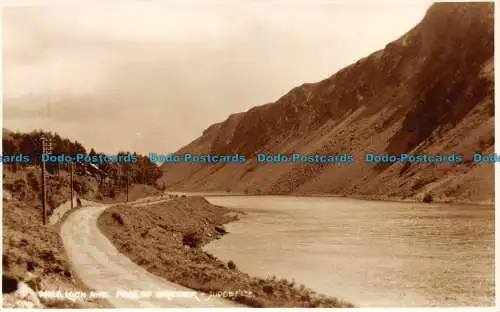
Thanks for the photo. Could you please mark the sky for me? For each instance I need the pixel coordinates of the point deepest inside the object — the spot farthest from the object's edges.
(150, 76)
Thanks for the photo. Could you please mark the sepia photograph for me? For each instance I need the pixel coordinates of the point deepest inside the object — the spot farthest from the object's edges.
(248, 154)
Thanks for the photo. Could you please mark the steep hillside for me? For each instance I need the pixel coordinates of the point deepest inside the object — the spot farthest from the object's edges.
(430, 91)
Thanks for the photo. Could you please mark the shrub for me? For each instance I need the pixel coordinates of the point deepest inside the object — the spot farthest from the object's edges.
(51, 202)
(33, 182)
(191, 239)
(118, 218)
(427, 198)
(80, 187)
(268, 289)
(19, 185)
(231, 265)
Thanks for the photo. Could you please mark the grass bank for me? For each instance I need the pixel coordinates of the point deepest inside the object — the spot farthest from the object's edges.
(30, 245)
(166, 239)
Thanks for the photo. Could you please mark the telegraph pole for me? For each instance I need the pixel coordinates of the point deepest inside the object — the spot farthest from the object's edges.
(71, 181)
(46, 148)
(128, 180)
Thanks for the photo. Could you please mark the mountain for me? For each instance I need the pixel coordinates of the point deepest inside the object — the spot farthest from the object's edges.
(428, 92)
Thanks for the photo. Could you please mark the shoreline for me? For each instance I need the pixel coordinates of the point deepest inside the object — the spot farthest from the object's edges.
(323, 195)
(168, 239)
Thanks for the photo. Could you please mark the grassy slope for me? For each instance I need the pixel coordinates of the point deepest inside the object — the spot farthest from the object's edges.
(27, 240)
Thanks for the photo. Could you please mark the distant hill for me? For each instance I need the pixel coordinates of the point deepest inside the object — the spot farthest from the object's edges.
(430, 91)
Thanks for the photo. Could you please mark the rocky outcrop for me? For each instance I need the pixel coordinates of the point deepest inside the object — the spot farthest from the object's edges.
(18, 294)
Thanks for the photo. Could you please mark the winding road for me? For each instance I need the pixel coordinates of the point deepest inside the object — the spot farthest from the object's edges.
(100, 266)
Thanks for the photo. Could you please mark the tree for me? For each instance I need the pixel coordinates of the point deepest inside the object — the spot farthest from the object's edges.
(9, 147)
(28, 146)
(78, 148)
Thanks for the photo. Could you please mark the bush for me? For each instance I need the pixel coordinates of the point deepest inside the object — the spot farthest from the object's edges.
(268, 289)
(80, 187)
(33, 182)
(19, 185)
(231, 265)
(427, 198)
(192, 239)
(51, 202)
(118, 218)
